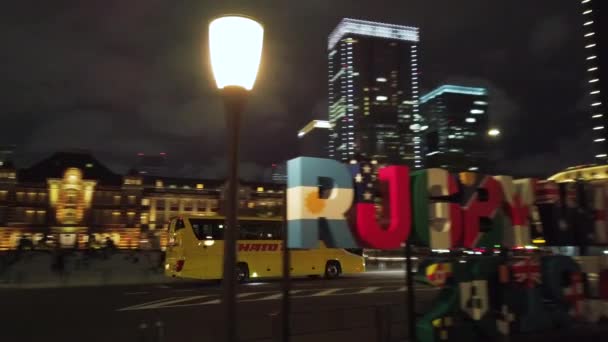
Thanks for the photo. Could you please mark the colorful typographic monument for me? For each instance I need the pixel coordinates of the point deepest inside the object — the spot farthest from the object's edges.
(485, 296)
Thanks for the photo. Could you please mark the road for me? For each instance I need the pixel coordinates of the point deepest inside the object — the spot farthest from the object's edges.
(322, 310)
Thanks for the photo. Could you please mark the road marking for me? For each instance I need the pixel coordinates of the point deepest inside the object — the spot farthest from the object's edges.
(135, 307)
(218, 301)
(212, 299)
(135, 293)
(326, 292)
(271, 297)
(369, 289)
(184, 290)
(385, 272)
(278, 295)
(246, 294)
(162, 303)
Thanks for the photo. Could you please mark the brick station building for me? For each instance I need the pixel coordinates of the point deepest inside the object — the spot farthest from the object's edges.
(71, 198)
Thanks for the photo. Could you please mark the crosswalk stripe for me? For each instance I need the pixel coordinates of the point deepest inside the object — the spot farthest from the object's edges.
(263, 296)
(369, 289)
(326, 292)
(277, 295)
(271, 297)
(161, 303)
(246, 294)
(148, 303)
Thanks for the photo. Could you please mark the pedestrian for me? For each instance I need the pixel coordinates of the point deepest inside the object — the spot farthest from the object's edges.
(24, 243)
(59, 262)
(110, 246)
(42, 243)
(110, 243)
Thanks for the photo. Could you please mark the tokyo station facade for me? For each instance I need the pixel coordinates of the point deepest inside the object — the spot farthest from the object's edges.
(71, 198)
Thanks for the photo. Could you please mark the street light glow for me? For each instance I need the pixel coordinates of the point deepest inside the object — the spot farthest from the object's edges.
(235, 46)
(494, 132)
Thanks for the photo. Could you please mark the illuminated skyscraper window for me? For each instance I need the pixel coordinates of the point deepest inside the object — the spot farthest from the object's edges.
(457, 119)
(596, 49)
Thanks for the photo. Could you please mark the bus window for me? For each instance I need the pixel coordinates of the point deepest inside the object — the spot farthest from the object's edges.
(260, 230)
(275, 231)
(207, 229)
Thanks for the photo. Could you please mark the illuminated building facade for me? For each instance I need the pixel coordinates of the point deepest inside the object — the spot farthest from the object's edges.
(457, 123)
(595, 28)
(279, 173)
(373, 93)
(588, 173)
(72, 196)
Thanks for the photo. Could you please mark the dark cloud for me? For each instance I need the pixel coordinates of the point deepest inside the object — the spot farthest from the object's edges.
(216, 168)
(550, 35)
(566, 152)
(118, 77)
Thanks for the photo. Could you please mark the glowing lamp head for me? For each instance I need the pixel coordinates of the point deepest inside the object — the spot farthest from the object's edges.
(494, 132)
(235, 45)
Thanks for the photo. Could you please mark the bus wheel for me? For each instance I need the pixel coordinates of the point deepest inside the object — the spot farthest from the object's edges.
(332, 269)
(242, 272)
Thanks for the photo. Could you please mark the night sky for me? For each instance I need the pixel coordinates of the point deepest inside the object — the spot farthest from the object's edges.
(120, 77)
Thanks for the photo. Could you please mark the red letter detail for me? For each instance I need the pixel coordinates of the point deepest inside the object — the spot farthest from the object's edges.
(368, 229)
(476, 209)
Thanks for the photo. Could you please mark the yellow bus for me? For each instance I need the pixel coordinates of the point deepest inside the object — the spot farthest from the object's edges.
(195, 250)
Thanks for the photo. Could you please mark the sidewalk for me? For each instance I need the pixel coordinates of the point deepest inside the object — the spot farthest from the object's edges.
(580, 332)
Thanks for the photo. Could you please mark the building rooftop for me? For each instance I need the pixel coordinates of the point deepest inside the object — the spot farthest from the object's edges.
(453, 89)
(372, 29)
(55, 166)
(582, 172)
(324, 124)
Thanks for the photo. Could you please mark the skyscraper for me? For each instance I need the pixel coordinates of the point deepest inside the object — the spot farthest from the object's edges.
(373, 92)
(596, 45)
(313, 139)
(457, 119)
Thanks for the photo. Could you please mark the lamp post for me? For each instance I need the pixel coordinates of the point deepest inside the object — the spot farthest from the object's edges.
(235, 46)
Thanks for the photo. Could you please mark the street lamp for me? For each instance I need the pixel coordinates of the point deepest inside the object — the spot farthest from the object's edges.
(494, 140)
(235, 47)
(494, 132)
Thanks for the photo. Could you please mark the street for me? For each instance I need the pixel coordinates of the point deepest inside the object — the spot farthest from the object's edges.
(191, 311)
